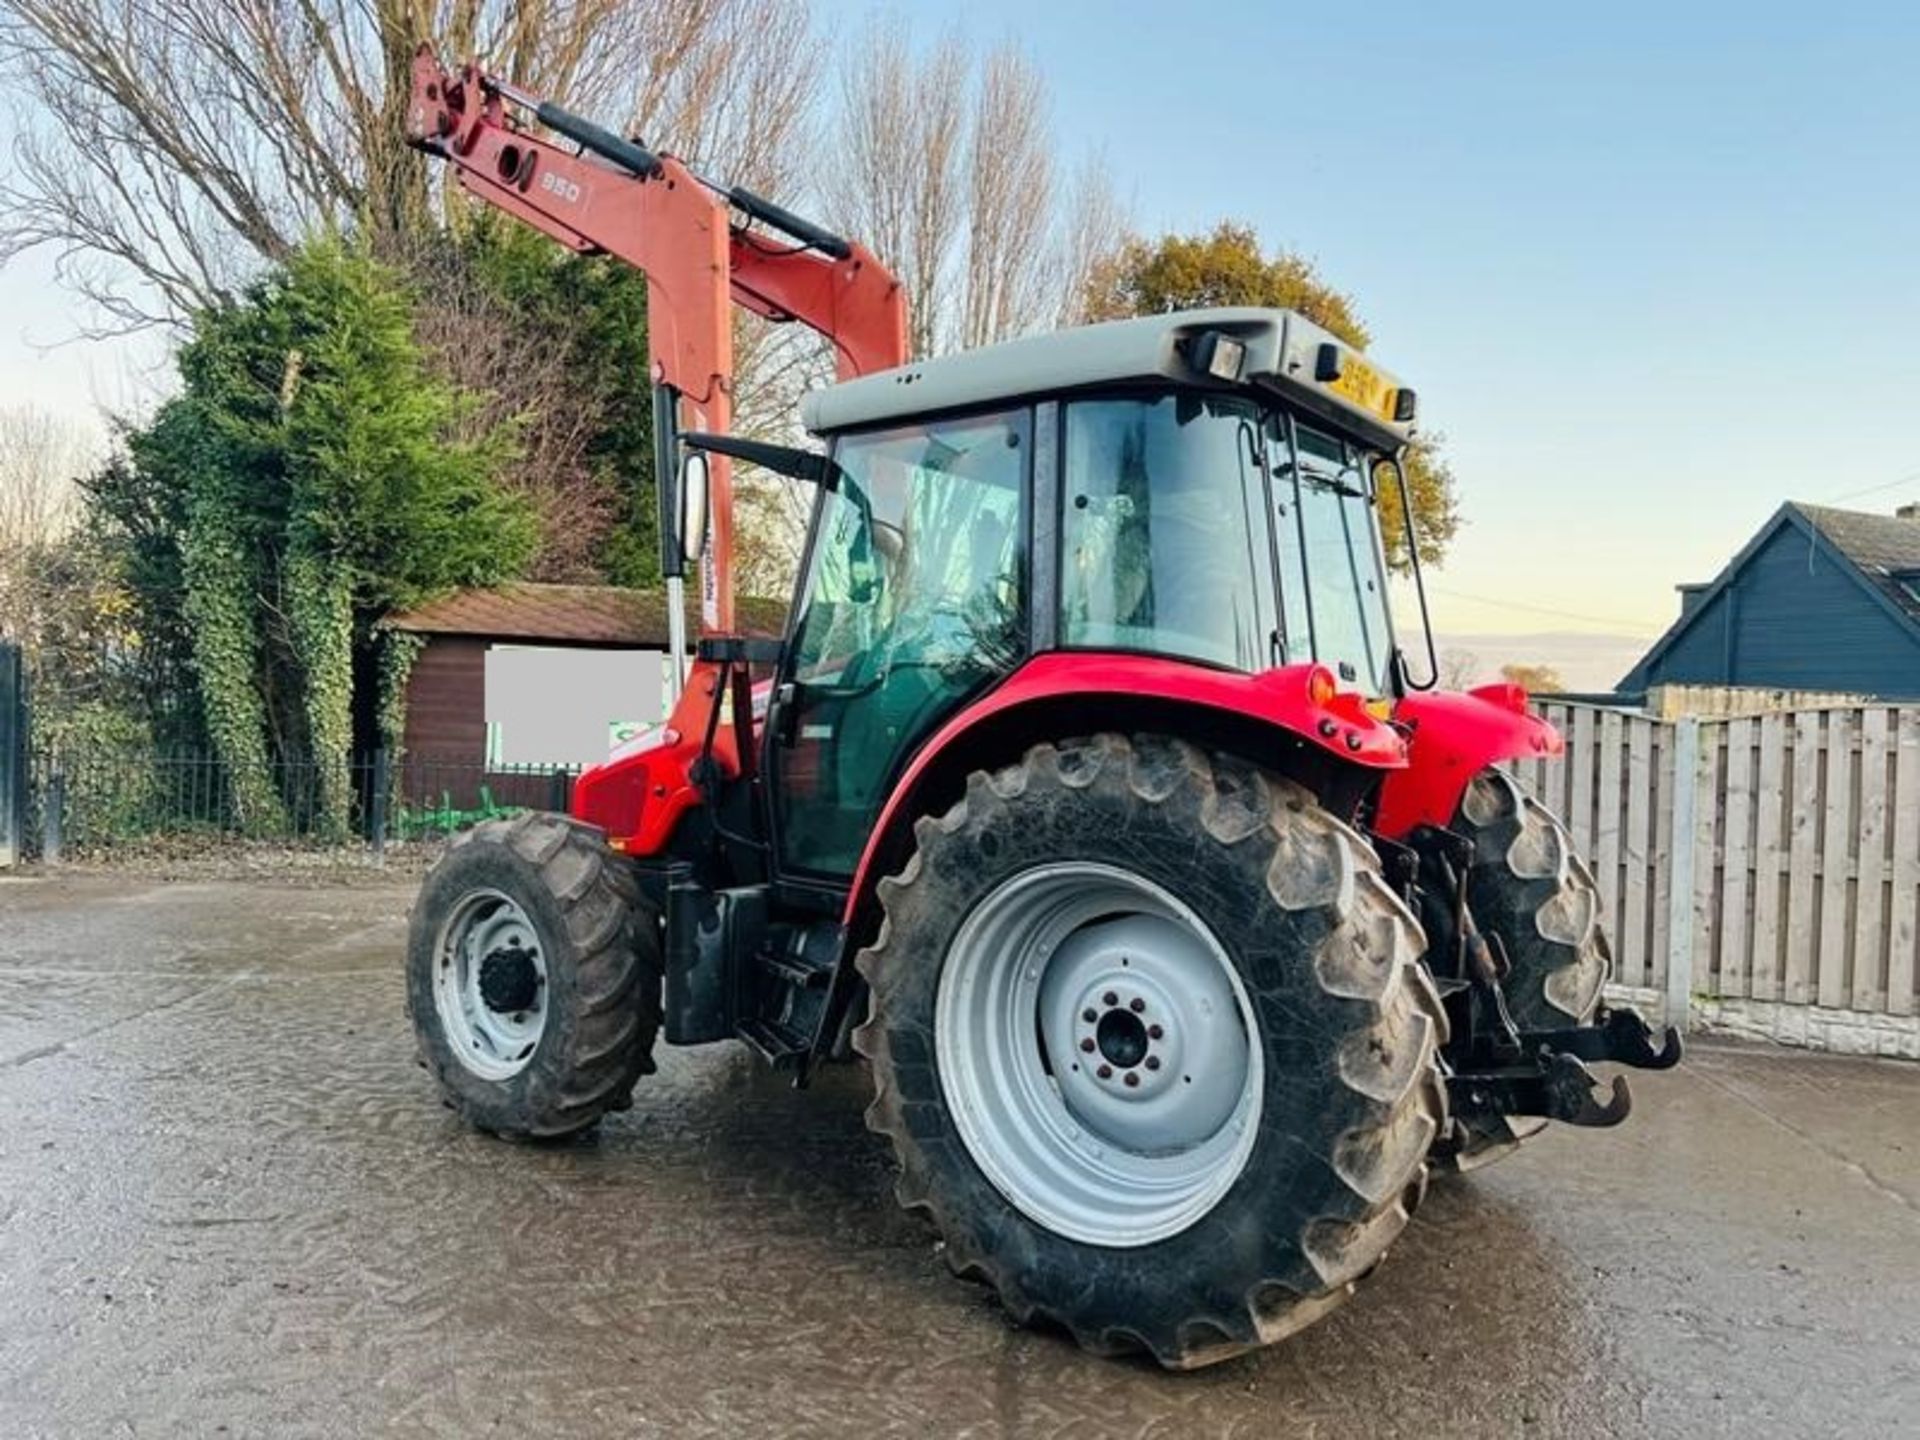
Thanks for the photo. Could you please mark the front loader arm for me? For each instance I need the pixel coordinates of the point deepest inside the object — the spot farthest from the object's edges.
(655, 214)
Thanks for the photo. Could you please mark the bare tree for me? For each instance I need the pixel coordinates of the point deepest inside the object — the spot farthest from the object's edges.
(40, 456)
(1010, 203)
(1458, 669)
(945, 168)
(898, 180)
(1090, 231)
(163, 150)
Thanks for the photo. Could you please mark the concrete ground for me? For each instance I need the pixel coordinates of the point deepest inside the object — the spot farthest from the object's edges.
(230, 1204)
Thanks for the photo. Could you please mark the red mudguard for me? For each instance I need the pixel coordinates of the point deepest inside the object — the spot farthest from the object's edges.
(1341, 724)
(1451, 738)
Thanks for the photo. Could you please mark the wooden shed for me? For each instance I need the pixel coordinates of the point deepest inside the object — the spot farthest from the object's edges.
(454, 744)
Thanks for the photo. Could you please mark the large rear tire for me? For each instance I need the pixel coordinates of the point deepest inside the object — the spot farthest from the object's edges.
(1530, 889)
(1153, 1046)
(533, 977)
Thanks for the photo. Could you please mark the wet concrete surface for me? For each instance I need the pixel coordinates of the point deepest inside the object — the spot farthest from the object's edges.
(231, 1204)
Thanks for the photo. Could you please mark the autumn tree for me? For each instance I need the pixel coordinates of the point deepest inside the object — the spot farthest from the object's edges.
(1227, 266)
(58, 599)
(1535, 679)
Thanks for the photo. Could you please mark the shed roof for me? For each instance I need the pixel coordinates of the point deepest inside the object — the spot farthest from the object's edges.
(571, 614)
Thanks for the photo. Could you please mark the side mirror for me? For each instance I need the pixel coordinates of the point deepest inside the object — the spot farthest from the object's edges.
(690, 528)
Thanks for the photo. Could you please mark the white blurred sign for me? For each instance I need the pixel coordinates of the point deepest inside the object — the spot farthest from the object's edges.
(552, 706)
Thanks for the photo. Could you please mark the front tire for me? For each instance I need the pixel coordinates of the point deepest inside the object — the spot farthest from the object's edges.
(1103, 872)
(533, 977)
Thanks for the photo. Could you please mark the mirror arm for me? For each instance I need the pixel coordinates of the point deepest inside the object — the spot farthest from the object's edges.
(787, 460)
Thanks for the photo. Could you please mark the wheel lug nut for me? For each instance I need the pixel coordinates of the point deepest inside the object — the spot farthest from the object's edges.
(1153, 1062)
(1105, 1072)
(1089, 1015)
(1109, 998)
(1087, 1046)
(1154, 1032)
(1136, 1004)
(1132, 1079)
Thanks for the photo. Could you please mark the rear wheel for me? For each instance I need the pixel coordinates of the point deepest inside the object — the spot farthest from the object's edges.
(1153, 1046)
(1529, 889)
(533, 977)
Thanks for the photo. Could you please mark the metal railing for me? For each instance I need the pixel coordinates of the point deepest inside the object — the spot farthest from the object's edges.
(99, 803)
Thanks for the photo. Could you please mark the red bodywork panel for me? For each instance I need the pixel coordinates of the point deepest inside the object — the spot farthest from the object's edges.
(1452, 738)
(1279, 697)
(639, 796)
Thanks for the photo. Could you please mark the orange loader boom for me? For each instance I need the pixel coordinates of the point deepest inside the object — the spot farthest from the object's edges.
(615, 197)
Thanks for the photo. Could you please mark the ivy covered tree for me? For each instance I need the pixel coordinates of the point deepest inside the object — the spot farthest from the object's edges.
(317, 476)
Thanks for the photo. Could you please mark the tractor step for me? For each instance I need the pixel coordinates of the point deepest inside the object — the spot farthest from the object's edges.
(799, 969)
(781, 1047)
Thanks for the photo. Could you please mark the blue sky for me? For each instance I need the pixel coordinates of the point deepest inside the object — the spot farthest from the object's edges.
(1653, 269)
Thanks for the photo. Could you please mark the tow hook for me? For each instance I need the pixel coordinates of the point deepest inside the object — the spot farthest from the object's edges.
(1553, 1079)
(1621, 1036)
(1559, 1087)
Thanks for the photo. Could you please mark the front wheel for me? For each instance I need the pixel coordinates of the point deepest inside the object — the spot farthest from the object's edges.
(1153, 1046)
(533, 977)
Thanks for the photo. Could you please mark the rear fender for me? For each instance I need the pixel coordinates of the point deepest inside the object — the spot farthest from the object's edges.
(1270, 716)
(1451, 738)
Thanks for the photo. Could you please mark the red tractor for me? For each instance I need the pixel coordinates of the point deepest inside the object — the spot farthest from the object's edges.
(1087, 795)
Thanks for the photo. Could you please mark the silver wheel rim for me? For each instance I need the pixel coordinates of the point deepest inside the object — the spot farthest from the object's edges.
(1066, 971)
(493, 1043)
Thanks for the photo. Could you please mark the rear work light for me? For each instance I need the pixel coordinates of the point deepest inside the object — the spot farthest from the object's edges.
(1218, 355)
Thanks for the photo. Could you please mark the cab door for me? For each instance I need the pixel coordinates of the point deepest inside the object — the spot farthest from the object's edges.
(914, 601)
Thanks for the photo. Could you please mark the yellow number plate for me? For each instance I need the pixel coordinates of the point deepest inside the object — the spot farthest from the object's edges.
(1364, 386)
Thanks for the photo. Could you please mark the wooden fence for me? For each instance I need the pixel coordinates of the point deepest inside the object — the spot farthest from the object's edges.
(1770, 858)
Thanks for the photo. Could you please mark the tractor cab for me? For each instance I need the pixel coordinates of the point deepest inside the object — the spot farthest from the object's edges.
(1195, 487)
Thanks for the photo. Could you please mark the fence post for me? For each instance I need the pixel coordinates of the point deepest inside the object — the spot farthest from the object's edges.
(378, 807)
(13, 755)
(1686, 810)
(557, 791)
(54, 815)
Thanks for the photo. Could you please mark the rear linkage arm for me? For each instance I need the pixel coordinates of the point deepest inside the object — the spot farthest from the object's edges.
(1493, 1066)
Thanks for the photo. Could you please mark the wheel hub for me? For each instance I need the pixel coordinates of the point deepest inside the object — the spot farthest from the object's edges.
(1121, 1037)
(509, 983)
(490, 984)
(1098, 1053)
(1145, 1018)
